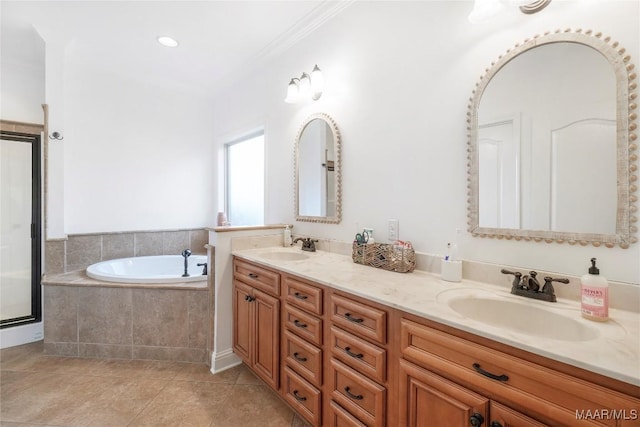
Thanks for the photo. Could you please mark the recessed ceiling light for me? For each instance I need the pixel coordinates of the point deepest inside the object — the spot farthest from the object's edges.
(167, 41)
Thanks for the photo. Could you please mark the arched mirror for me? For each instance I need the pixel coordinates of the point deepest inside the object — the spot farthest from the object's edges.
(318, 168)
(552, 143)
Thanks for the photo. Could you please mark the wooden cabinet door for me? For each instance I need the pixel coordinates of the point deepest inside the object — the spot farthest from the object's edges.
(266, 324)
(428, 400)
(242, 323)
(503, 416)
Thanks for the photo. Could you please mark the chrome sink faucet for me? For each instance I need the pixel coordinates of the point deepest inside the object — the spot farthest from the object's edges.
(308, 244)
(528, 286)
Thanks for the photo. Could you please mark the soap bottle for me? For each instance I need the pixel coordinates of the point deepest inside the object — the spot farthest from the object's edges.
(594, 295)
(287, 236)
(369, 232)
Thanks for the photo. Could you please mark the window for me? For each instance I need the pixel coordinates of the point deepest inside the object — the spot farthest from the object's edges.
(244, 196)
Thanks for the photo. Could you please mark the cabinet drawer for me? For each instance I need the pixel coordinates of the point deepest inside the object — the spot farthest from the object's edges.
(256, 276)
(304, 358)
(361, 319)
(304, 325)
(303, 295)
(365, 399)
(340, 417)
(559, 396)
(364, 357)
(302, 396)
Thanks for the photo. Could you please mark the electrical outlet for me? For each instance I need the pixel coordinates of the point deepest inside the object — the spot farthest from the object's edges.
(392, 230)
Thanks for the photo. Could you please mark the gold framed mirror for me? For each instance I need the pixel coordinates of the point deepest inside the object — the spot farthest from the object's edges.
(552, 143)
(318, 171)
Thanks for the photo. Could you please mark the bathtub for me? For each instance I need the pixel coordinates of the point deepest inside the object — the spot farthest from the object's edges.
(148, 269)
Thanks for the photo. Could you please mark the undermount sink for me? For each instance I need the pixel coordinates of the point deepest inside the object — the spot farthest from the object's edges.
(285, 256)
(521, 318)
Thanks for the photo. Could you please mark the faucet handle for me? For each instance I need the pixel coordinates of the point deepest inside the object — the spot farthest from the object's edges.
(514, 273)
(516, 278)
(548, 286)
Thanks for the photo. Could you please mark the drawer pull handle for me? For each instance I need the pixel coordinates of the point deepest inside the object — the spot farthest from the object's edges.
(253, 275)
(352, 354)
(353, 319)
(476, 419)
(299, 324)
(495, 424)
(300, 296)
(487, 374)
(351, 395)
(298, 397)
(299, 358)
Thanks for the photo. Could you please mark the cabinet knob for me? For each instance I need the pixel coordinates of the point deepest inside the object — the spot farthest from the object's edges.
(476, 419)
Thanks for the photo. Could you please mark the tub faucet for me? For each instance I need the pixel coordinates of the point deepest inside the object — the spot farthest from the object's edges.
(186, 254)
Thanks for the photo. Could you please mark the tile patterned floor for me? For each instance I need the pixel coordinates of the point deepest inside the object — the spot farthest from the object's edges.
(39, 390)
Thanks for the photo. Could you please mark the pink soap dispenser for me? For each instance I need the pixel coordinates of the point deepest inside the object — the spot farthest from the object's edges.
(594, 295)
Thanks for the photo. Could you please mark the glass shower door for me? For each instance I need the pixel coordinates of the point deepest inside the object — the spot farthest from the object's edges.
(19, 228)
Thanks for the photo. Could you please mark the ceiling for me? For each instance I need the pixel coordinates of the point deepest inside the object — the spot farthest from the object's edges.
(218, 39)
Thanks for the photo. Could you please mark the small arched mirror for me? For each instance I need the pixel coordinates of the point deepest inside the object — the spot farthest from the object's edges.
(552, 141)
(318, 168)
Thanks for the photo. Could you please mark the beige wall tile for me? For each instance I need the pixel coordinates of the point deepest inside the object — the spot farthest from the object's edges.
(61, 348)
(198, 239)
(104, 351)
(54, 256)
(83, 251)
(176, 354)
(148, 243)
(198, 319)
(119, 245)
(104, 315)
(60, 309)
(174, 242)
(160, 318)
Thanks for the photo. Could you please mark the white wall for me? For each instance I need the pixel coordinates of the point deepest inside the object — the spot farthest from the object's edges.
(398, 80)
(21, 91)
(136, 156)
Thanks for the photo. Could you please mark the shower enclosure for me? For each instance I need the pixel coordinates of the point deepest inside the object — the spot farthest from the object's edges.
(20, 229)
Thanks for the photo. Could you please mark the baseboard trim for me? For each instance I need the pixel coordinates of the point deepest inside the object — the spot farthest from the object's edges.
(223, 360)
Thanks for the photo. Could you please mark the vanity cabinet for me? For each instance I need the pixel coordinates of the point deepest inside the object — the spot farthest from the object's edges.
(340, 360)
(302, 354)
(256, 313)
(445, 374)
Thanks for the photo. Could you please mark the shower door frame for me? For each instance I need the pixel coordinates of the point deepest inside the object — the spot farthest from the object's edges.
(36, 227)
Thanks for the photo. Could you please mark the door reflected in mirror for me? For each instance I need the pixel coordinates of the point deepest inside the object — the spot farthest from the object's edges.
(317, 170)
(542, 151)
(552, 141)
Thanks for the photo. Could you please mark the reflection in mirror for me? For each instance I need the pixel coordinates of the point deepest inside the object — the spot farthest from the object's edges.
(550, 138)
(318, 171)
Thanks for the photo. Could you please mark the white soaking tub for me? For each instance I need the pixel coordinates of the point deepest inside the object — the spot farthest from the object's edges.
(149, 269)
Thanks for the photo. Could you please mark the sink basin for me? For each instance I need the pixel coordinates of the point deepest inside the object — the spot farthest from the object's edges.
(522, 318)
(285, 256)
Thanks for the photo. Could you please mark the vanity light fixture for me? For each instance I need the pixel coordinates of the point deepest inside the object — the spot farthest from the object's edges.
(167, 41)
(483, 10)
(307, 86)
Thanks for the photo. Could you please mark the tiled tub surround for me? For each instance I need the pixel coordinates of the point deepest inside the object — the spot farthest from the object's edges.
(89, 318)
(78, 251)
(615, 353)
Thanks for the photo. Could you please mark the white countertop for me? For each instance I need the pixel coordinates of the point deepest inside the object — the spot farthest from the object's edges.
(614, 352)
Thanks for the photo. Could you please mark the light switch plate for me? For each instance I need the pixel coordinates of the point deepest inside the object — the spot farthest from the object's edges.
(392, 230)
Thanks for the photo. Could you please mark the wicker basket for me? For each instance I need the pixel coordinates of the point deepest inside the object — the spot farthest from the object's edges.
(382, 255)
